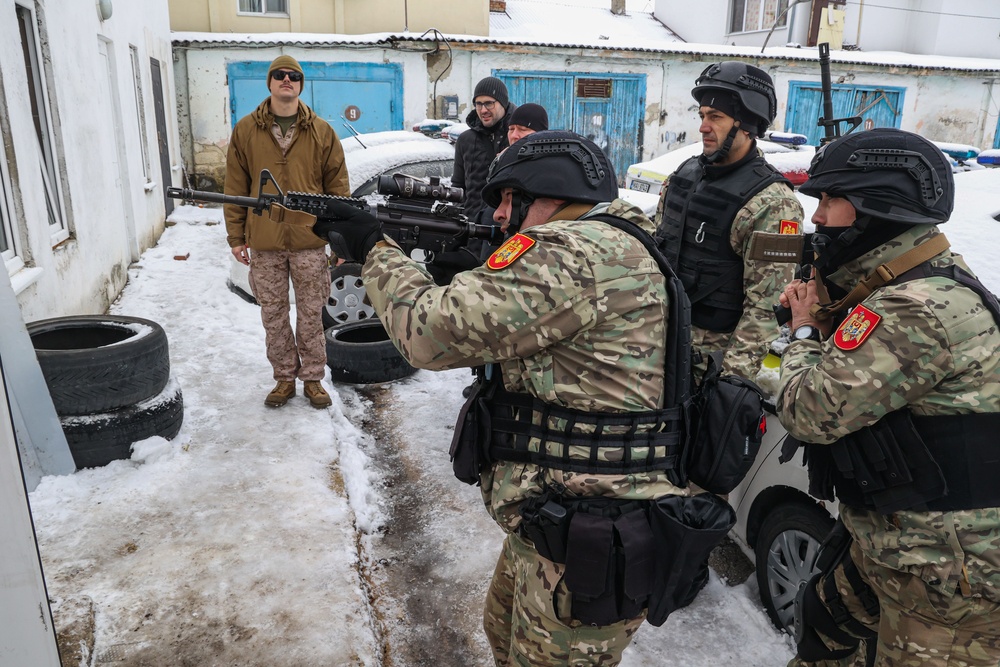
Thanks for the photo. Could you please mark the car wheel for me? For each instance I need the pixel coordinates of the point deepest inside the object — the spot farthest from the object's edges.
(98, 439)
(96, 363)
(786, 551)
(361, 353)
(348, 300)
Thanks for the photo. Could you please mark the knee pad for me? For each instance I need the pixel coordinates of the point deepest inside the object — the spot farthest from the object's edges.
(812, 617)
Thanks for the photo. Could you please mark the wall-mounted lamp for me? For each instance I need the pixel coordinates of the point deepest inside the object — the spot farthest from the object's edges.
(104, 9)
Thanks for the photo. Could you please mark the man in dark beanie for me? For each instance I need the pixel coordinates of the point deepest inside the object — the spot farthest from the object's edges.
(526, 119)
(474, 152)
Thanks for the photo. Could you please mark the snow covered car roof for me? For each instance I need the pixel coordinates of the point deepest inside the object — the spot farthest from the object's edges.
(648, 176)
(370, 155)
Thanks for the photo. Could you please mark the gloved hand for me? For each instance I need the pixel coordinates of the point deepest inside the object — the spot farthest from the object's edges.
(352, 232)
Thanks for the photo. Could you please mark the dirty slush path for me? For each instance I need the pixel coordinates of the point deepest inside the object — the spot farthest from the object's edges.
(429, 566)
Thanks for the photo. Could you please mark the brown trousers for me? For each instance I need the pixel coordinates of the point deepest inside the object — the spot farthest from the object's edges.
(301, 354)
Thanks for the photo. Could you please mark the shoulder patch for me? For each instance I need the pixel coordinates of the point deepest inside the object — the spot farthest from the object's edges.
(508, 253)
(788, 227)
(858, 325)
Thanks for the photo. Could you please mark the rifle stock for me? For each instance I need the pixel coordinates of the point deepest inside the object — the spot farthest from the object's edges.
(419, 221)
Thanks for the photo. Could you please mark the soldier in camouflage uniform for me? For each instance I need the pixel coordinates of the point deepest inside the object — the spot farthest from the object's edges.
(893, 383)
(709, 209)
(571, 309)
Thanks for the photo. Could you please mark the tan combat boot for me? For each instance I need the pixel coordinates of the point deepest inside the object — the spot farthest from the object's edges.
(280, 394)
(314, 391)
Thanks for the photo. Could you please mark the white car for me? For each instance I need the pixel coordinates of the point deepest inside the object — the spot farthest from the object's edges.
(779, 526)
(787, 152)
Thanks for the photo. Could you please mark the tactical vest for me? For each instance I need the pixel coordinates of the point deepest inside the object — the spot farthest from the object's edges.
(920, 463)
(499, 425)
(698, 214)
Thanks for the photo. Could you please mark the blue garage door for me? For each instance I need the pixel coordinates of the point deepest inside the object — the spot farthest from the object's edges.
(607, 108)
(368, 95)
(878, 106)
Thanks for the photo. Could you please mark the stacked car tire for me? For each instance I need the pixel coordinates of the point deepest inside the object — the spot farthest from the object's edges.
(109, 378)
(358, 349)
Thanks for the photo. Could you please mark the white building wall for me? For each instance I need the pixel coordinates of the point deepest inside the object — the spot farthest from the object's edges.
(708, 24)
(943, 105)
(113, 210)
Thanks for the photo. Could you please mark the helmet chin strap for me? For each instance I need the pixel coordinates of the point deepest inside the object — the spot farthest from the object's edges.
(726, 146)
(520, 202)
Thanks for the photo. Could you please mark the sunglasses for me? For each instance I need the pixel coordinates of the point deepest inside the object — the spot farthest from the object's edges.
(280, 74)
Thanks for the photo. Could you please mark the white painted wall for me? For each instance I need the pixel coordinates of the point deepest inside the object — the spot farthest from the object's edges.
(112, 213)
(968, 28)
(709, 24)
(965, 28)
(950, 106)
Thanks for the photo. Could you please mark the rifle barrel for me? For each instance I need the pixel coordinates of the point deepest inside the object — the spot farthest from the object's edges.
(824, 71)
(187, 194)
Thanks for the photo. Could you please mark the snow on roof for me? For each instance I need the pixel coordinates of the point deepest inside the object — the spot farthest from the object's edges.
(589, 24)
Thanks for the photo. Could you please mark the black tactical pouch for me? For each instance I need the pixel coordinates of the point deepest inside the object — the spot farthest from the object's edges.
(609, 566)
(470, 444)
(726, 427)
(685, 530)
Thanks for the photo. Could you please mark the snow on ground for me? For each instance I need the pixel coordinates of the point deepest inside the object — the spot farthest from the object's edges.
(260, 536)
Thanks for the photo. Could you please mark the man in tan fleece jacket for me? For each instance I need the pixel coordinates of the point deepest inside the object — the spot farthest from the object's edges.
(304, 154)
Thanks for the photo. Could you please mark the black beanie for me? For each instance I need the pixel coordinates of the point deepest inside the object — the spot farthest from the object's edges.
(492, 87)
(729, 104)
(530, 115)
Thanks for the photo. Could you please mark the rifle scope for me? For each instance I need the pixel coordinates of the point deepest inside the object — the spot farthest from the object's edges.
(411, 187)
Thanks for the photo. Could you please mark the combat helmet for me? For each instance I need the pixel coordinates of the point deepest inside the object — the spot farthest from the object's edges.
(751, 90)
(886, 174)
(551, 164)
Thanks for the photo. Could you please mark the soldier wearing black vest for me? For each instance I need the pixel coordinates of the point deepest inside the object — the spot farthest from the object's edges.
(709, 209)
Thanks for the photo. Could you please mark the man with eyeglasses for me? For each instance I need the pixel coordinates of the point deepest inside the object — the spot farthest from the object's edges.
(304, 154)
(474, 152)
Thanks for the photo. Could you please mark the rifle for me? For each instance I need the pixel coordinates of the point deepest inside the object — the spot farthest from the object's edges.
(802, 249)
(415, 213)
(786, 248)
(831, 125)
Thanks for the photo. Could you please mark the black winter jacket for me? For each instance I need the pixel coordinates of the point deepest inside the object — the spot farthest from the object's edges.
(474, 151)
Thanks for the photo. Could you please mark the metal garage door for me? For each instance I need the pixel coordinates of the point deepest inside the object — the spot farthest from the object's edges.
(878, 106)
(368, 95)
(607, 108)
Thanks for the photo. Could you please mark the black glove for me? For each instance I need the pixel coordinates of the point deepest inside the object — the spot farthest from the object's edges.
(351, 231)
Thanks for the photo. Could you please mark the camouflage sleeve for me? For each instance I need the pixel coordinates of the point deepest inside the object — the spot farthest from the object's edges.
(762, 281)
(663, 198)
(827, 392)
(483, 315)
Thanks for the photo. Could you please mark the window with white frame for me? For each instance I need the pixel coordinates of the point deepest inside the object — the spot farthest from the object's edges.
(750, 15)
(140, 110)
(7, 249)
(42, 115)
(263, 7)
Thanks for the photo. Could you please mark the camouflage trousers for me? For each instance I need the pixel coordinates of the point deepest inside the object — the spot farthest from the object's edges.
(527, 617)
(301, 354)
(917, 625)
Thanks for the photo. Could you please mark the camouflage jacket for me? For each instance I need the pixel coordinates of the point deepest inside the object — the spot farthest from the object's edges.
(577, 320)
(932, 350)
(749, 343)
